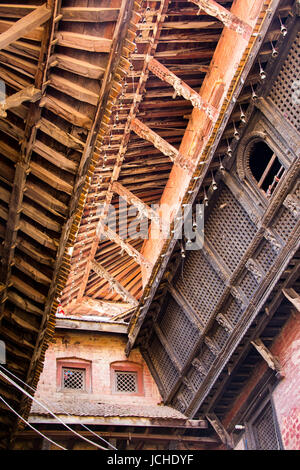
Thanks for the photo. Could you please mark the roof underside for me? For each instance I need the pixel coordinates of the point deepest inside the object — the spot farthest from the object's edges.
(69, 139)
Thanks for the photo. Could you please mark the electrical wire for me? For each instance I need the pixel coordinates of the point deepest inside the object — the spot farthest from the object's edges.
(50, 412)
(28, 424)
(81, 424)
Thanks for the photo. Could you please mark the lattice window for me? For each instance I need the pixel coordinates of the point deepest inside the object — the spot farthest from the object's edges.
(179, 331)
(126, 382)
(200, 284)
(162, 364)
(234, 312)
(264, 430)
(285, 223)
(207, 357)
(266, 256)
(73, 379)
(220, 337)
(249, 285)
(284, 91)
(232, 237)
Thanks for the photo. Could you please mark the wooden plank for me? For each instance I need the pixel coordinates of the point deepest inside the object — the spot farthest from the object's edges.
(54, 157)
(74, 325)
(74, 90)
(15, 11)
(83, 42)
(93, 15)
(66, 112)
(58, 134)
(79, 67)
(23, 26)
(124, 293)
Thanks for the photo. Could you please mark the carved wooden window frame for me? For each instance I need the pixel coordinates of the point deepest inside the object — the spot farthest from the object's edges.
(73, 363)
(127, 366)
(243, 163)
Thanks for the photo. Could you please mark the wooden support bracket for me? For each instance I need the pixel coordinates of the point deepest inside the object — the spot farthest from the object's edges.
(130, 250)
(181, 88)
(124, 293)
(266, 354)
(220, 430)
(292, 296)
(27, 94)
(229, 20)
(167, 149)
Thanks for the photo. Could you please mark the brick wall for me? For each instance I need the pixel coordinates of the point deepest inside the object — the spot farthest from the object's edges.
(286, 395)
(102, 350)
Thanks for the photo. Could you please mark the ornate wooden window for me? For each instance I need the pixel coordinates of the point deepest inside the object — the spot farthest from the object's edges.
(259, 165)
(127, 378)
(73, 375)
(265, 166)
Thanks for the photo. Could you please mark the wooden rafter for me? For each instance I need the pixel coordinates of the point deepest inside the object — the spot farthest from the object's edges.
(102, 272)
(130, 250)
(23, 162)
(161, 144)
(229, 20)
(181, 88)
(26, 24)
(152, 45)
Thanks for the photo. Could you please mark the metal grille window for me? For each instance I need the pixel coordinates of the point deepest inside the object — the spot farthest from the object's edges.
(73, 379)
(126, 382)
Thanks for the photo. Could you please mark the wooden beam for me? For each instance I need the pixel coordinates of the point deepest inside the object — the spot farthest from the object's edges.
(93, 15)
(266, 354)
(130, 250)
(181, 88)
(27, 94)
(229, 20)
(143, 208)
(26, 24)
(292, 296)
(161, 144)
(77, 324)
(124, 293)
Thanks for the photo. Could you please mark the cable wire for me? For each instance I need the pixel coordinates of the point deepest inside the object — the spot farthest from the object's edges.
(81, 424)
(50, 412)
(28, 424)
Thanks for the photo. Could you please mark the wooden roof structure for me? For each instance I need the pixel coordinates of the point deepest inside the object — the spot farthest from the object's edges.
(102, 100)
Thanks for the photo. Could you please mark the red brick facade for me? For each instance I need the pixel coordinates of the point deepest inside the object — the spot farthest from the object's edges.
(100, 351)
(286, 396)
